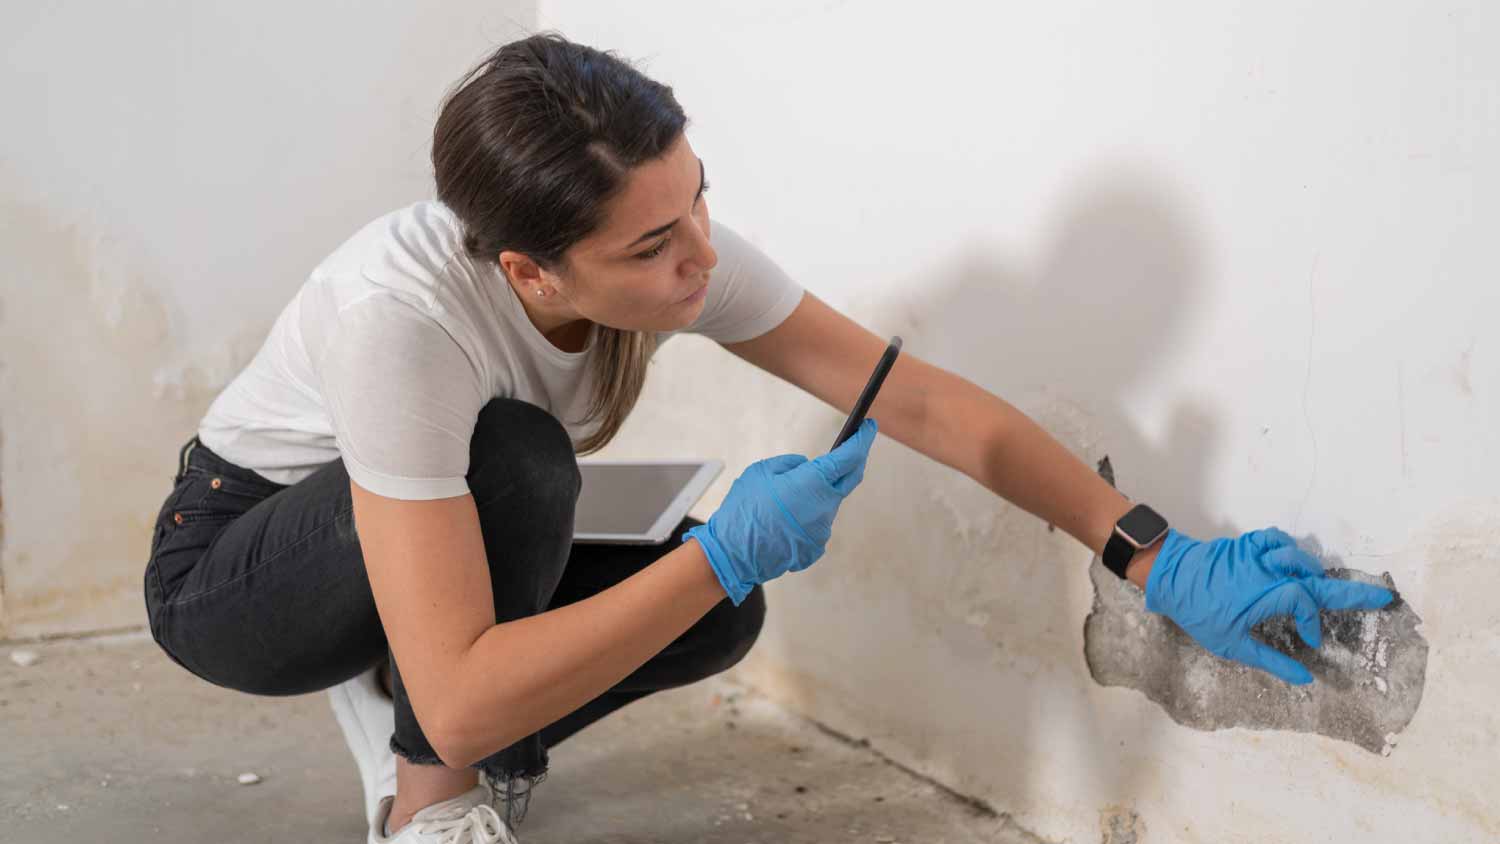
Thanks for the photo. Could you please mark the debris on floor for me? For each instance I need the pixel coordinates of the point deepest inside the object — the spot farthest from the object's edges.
(667, 768)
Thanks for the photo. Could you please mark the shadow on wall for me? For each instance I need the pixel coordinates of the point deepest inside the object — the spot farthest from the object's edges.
(1098, 318)
(1067, 341)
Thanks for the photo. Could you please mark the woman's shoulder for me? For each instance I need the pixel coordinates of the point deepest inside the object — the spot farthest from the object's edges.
(410, 250)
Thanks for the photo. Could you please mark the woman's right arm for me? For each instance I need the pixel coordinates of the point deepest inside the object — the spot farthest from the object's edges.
(476, 686)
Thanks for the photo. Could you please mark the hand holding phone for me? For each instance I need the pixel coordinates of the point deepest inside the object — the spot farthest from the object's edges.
(867, 396)
(778, 515)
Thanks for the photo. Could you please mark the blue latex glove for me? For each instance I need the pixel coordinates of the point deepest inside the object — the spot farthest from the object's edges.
(1217, 591)
(778, 514)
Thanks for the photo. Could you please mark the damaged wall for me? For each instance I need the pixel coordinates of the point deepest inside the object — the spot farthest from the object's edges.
(1242, 250)
(170, 175)
(1369, 668)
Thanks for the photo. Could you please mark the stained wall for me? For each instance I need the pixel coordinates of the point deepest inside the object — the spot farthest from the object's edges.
(1243, 250)
(170, 173)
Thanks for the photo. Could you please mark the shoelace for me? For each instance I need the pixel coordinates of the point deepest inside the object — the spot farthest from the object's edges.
(481, 823)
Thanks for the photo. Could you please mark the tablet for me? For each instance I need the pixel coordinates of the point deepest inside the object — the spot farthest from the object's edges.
(638, 502)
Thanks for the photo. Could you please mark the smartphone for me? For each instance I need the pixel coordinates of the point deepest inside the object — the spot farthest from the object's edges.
(867, 397)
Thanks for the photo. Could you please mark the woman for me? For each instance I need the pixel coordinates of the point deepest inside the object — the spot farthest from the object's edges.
(381, 503)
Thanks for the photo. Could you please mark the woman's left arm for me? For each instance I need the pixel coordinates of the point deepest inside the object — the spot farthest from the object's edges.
(1028, 467)
(947, 418)
(1216, 591)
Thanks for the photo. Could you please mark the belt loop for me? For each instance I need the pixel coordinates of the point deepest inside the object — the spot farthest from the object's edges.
(182, 459)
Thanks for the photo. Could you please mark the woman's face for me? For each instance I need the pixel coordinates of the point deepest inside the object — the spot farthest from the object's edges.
(645, 268)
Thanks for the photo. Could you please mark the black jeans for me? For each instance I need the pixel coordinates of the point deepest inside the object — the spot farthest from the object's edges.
(261, 587)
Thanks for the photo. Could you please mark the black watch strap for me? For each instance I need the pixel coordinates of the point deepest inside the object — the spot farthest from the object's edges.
(1144, 525)
(1117, 554)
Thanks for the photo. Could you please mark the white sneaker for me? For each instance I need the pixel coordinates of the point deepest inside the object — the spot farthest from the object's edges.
(466, 819)
(367, 718)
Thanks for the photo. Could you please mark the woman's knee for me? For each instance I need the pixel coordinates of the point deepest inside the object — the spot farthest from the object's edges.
(519, 449)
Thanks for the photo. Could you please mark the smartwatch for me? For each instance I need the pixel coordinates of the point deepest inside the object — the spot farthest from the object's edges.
(1135, 530)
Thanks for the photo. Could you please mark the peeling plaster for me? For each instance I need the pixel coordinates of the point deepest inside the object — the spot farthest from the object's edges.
(1121, 825)
(1368, 675)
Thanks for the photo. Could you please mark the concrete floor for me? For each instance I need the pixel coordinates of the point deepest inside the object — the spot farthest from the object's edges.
(106, 739)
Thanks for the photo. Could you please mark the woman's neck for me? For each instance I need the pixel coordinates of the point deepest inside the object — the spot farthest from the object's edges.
(571, 337)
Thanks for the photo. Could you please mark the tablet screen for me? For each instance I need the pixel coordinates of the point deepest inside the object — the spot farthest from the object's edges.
(627, 498)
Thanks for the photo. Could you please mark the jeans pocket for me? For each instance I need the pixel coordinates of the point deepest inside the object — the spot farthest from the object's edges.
(218, 490)
(185, 529)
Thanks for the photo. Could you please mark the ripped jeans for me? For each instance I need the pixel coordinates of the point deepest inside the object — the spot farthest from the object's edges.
(261, 587)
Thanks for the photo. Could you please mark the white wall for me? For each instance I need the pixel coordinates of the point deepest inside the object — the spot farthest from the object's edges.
(1244, 249)
(170, 174)
(1238, 248)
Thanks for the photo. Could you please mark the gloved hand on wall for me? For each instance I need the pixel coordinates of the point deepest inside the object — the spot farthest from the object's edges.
(1217, 591)
(778, 514)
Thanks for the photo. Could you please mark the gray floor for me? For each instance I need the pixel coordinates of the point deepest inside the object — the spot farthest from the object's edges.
(107, 740)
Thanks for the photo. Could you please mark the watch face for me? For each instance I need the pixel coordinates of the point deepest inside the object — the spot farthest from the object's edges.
(1143, 524)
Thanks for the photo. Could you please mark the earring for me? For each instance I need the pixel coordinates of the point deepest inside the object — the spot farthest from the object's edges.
(539, 292)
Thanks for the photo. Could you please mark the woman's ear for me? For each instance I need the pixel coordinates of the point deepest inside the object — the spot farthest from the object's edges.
(519, 268)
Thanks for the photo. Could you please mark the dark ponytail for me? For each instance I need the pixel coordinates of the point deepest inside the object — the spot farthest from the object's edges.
(528, 148)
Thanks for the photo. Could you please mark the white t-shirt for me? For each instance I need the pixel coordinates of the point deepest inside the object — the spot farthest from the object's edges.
(397, 340)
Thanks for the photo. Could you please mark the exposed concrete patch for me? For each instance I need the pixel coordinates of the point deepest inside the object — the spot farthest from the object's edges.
(1121, 825)
(1368, 675)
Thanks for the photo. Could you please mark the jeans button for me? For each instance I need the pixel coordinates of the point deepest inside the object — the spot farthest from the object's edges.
(215, 483)
(177, 517)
